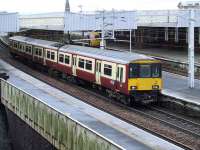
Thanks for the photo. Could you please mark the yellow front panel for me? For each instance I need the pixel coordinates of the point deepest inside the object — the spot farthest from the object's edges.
(95, 43)
(144, 84)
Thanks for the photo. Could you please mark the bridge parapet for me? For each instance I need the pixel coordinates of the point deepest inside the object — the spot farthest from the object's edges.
(59, 129)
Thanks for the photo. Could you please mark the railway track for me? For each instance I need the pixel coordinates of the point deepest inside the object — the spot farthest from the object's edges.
(141, 118)
(176, 121)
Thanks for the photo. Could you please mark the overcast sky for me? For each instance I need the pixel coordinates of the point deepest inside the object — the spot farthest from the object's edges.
(39, 6)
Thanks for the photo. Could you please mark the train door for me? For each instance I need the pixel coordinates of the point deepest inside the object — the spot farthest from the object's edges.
(74, 65)
(98, 72)
(120, 77)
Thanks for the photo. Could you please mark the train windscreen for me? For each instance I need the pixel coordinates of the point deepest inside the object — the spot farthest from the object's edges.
(145, 71)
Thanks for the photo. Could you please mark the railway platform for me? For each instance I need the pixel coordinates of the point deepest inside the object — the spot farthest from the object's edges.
(176, 87)
(125, 135)
(169, 54)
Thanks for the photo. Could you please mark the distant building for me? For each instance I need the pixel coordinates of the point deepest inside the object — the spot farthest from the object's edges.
(67, 6)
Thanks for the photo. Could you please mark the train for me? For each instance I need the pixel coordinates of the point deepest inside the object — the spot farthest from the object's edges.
(91, 39)
(128, 77)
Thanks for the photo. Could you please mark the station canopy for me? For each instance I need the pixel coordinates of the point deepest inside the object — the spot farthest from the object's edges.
(166, 18)
(184, 17)
(107, 20)
(8, 22)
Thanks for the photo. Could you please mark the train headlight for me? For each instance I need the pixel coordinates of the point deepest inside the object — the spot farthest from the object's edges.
(155, 87)
(133, 87)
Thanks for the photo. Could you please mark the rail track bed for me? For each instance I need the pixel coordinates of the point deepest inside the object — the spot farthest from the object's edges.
(178, 130)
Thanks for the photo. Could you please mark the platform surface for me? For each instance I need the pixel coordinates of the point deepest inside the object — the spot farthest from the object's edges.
(177, 86)
(118, 131)
(171, 54)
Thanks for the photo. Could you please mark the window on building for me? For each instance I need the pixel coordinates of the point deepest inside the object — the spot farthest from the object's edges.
(81, 63)
(88, 65)
(67, 59)
(61, 58)
(107, 70)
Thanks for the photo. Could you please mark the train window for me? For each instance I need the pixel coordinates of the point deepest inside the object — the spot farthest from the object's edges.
(88, 65)
(61, 58)
(74, 61)
(97, 36)
(99, 67)
(15, 44)
(20, 46)
(27, 49)
(48, 55)
(81, 63)
(36, 51)
(107, 70)
(145, 71)
(66, 59)
(133, 71)
(40, 52)
(52, 55)
(117, 72)
(121, 74)
(24, 47)
(156, 70)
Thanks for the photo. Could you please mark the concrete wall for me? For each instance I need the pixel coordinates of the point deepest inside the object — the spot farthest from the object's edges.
(59, 130)
(23, 137)
(5, 143)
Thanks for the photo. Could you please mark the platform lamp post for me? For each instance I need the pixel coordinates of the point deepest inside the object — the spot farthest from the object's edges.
(191, 6)
(102, 16)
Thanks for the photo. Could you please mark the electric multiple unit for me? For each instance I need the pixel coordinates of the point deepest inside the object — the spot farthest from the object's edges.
(127, 76)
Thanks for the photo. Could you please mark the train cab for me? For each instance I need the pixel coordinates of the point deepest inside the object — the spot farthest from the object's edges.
(145, 79)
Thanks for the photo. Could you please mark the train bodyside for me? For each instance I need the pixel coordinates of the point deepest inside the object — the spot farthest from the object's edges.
(138, 79)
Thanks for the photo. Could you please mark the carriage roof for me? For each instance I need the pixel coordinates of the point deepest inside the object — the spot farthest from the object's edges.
(107, 55)
(37, 42)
